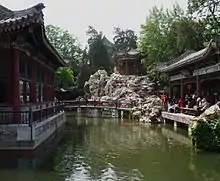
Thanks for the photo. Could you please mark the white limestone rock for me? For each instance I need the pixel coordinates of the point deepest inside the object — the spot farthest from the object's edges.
(210, 111)
(138, 90)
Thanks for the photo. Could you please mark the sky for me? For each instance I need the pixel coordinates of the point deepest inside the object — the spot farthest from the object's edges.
(76, 15)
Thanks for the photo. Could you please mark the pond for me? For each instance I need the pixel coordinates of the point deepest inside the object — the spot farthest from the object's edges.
(111, 149)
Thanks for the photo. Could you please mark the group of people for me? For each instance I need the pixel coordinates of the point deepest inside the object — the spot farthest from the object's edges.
(199, 103)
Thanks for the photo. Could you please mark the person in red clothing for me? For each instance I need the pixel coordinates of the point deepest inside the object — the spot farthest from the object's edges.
(180, 103)
(164, 100)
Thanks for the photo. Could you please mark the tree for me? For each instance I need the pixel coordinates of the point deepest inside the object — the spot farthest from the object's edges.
(68, 47)
(168, 34)
(64, 77)
(165, 36)
(66, 44)
(85, 70)
(207, 11)
(124, 39)
(153, 38)
(186, 34)
(98, 55)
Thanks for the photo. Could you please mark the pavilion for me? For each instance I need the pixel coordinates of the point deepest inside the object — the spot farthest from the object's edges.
(197, 72)
(129, 63)
(28, 113)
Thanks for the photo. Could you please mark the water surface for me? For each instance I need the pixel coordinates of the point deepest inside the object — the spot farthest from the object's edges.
(109, 149)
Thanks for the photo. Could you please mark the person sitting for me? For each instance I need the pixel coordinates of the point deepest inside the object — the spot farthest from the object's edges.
(173, 108)
(204, 105)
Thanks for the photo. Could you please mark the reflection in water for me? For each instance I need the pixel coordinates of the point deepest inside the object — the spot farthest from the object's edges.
(108, 149)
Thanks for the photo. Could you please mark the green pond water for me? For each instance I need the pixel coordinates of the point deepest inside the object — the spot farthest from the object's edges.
(110, 149)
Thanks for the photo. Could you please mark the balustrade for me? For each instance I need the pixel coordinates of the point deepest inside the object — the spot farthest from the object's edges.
(30, 115)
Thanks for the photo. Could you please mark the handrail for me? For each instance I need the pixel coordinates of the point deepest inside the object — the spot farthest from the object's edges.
(116, 104)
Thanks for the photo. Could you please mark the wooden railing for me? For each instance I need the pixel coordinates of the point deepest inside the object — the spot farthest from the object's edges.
(30, 115)
(107, 104)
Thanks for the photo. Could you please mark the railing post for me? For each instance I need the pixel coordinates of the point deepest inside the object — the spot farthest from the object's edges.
(31, 122)
(41, 113)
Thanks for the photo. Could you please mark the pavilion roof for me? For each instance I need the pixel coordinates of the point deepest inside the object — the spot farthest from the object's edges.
(189, 58)
(130, 53)
(107, 42)
(13, 21)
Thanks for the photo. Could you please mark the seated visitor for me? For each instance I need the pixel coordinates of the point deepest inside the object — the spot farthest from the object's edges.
(192, 102)
(198, 101)
(180, 102)
(216, 97)
(186, 99)
(204, 105)
(212, 99)
(173, 108)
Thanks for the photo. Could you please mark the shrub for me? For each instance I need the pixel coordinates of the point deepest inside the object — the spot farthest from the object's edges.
(205, 133)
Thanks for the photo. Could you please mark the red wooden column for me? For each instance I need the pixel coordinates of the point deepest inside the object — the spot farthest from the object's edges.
(52, 86)
(181, 88)
(15, 82)
(45, 85)
(198, 89)
(181, 91)
(33, 88)
(127, 72)
(47, 88)
(9, 83)
(118, 67)
(170, 90)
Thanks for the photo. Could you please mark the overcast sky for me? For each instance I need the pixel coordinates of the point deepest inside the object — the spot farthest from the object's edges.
(76, 15)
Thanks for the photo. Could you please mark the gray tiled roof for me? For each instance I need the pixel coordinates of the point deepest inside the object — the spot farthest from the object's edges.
(4, 12)
(189, 59)
(13, 20)
(131, 52)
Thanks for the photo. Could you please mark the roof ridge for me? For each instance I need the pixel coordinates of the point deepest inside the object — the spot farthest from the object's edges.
(183, 55)
(36, 9)
(189, 58)
(5, 12)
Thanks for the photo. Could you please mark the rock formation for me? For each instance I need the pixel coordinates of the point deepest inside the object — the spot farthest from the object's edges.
(138, 90)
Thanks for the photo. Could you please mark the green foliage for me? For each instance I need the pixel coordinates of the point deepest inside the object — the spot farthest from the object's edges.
(98, 55)
(160, 79)
(186, 34)
(207, 11)
(153, 40)
(206, 133)
(64, 77)
(124, 40)
(68, 47)
(64, 43)
(84, 75)
(168, 34)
